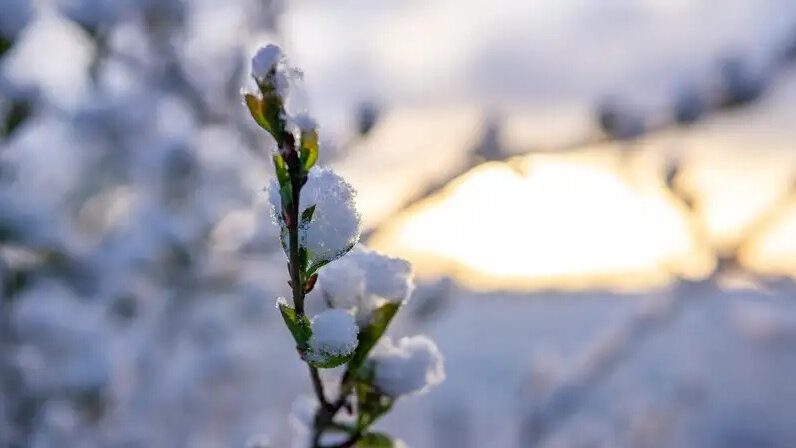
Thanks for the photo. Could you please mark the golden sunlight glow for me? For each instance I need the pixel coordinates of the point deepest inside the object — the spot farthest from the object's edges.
(596, 217)
(549, 221)
(775, 253)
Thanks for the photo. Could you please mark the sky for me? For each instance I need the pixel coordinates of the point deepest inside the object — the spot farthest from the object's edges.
(442, 68)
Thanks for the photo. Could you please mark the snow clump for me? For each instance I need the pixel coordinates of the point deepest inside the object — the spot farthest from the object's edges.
(334, 333)
(334, 227)
(412, 366)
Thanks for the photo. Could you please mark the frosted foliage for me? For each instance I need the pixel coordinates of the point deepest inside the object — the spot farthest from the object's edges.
(276, 210)
(343, 283)
(269, 67)
(334, 227)
(386, 277)
(363, 279)
(334, 333)
(265, 59)
(412, 366)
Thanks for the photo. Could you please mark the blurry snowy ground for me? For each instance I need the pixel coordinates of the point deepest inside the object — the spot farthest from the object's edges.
(608, 370)
(206, 362)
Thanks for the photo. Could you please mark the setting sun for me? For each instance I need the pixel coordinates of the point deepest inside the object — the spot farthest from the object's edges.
(552, 220)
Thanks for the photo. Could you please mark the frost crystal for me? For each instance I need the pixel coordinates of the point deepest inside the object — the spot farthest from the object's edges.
(265, 60)
(280, 301)
(334, 333)
(414, 365)
(334, 227)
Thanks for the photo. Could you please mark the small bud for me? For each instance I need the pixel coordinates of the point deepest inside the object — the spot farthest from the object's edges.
(265, 61)
(333, 340)
(310, 283)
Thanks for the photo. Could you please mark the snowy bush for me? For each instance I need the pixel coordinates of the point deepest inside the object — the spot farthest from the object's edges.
(128, 267)
(363, 290)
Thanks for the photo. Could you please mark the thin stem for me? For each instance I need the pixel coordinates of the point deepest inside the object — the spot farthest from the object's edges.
(325, 416)
(327, 411)
(317, 385)
(293, 225)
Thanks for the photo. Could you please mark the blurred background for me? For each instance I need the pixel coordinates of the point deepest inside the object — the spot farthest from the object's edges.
(598, 197)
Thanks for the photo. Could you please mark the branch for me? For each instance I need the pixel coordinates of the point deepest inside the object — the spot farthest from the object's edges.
(479, 155)
(325, 416)
(317, 385)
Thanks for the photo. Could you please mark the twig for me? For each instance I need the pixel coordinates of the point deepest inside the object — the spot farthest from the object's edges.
(317, 385)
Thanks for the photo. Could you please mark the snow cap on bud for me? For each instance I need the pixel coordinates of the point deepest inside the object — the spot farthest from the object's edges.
(412, 366)
(385, 277)
(266, 60)
(363, 280)
(334, 226)
(343, 283)
(271, 71)
(334, 333)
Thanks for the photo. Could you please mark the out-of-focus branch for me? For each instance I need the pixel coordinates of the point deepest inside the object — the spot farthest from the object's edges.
(617, 124)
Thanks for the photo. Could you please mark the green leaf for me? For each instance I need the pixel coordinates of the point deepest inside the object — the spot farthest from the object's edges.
(304, 257)
(16, 115)
(5, 45)
(306, 215)
(371, 334)
(341, 427)
(267, 112)
(375, 440)
(272, 111)
(286, 193)
(255, 105)
(317, 265)
(281, 170)
(323, 361)
(372, 404)
(309, 149)
(321, 263)
(284, 238)
(299, 326)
